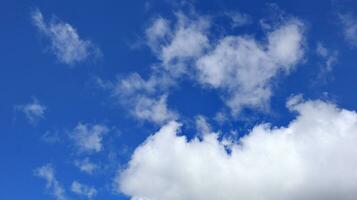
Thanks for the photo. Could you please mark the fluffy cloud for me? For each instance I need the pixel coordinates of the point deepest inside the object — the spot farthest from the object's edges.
(33, 111)
(47, 172)
(83, 190)
(314, 157)
(88, 137)
(244, 68)
(154, 110)
(66, 44)
(178, 45)
(240, 67)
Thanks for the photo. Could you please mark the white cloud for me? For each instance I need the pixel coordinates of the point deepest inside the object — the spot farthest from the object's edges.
(349, 25)
(83, 190)
(314, 157)
(88, 137)
(177, 46)
(66, 44)
(47, 172)
(240, 67)
(134, 84)
(146, 99)
(157, 32)
(244, 67)
(86, 165)
(154, 110)
(33, 111)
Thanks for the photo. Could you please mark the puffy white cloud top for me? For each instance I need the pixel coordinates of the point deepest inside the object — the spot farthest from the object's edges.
(245, 67)
(314, 157)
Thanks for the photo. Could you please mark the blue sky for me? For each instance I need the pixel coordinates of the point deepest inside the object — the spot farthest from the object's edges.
(147, 100)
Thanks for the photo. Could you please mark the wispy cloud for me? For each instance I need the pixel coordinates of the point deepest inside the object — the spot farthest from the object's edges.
(239, 19)
(86, 165)
(349, 25)
(83, 190)
(53, 186)
(240, 67)
(88, 137)
(146, 100)
(329, 57)
(34, 111)
(66, 44)
(51, 137)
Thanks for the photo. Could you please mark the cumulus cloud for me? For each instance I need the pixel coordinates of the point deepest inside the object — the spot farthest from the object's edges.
(240, 67)
(313, 157)
(34, 111)
(88, 137)
(47, 172)
(66, 44)
(244, 67)
(349, 25)
(83, 190)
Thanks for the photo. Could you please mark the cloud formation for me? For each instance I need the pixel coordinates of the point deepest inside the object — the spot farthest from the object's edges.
(47, 172)
(241, 67)
(314, 157)
(349, 25)
(34, 111)
(83, 190)
(244, 68)
(86, 165)
(66, 44)
(329, 57)
(88, 137)
(146, 100)
(179, 44)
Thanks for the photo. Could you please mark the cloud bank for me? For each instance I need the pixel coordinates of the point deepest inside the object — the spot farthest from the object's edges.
(314, 157)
